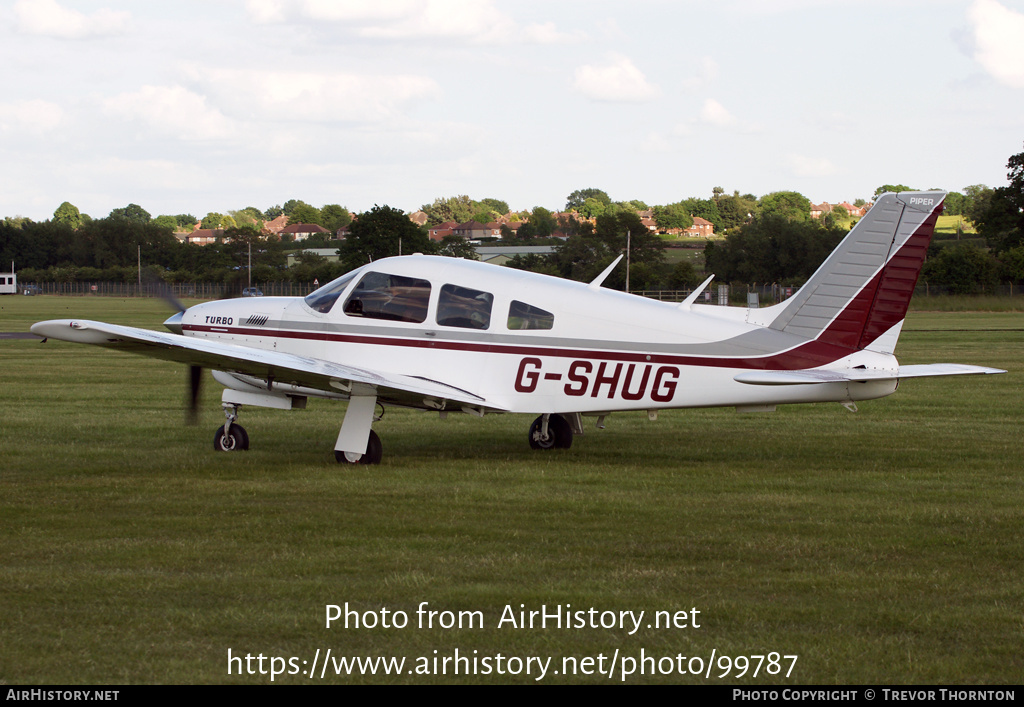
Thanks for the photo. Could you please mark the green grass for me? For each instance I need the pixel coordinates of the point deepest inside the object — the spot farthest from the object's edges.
(946, 226)
(879, 547)
(968, 303)
(674, 255)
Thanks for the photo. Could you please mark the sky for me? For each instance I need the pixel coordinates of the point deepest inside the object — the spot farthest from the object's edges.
(197, 106)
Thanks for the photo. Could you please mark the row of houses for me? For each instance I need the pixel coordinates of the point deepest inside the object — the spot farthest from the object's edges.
(469, 230)
(474, 230)
(819, 210)
(278, 227)
(497, 255)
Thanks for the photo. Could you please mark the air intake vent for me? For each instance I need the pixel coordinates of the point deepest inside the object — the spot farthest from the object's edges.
(256, 320)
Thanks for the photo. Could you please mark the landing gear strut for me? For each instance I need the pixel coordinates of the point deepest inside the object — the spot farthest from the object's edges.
(550, 432)
(231, 437)
(349, 449)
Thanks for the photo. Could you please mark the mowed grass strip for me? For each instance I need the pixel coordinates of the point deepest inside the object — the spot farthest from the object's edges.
(879, 547)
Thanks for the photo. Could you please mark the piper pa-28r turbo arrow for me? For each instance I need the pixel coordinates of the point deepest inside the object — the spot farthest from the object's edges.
(457, 336)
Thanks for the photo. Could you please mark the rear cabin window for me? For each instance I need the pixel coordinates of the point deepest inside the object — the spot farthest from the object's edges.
(525, 316)
(394, 297)
(463, 307)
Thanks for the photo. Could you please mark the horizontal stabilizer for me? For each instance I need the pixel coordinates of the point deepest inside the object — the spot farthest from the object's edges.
(859, 375)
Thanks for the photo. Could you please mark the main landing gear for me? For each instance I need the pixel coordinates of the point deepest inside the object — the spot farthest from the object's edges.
(232, 437)
(355, 429)
(550, 432)
(374, 453)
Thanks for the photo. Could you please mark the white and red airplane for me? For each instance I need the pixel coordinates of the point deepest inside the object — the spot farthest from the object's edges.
(459, 336)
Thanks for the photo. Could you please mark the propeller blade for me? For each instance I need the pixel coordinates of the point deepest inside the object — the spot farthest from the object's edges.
(175, 303)
(163, 291)
(195, 376)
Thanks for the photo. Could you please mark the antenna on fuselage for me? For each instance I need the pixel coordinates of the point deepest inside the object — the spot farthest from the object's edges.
(603, 276)
(688, 302)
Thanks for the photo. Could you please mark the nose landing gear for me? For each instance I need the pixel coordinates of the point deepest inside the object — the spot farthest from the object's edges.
(231, 437)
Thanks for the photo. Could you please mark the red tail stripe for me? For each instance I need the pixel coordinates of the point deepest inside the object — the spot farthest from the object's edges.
(883, 302)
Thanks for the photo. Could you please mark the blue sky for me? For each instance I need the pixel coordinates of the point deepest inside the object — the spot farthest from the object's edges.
(213, 105)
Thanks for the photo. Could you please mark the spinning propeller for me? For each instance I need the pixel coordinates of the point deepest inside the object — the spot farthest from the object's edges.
(195, 373)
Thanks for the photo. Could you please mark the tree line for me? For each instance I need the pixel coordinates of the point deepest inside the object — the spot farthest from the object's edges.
(768, 239)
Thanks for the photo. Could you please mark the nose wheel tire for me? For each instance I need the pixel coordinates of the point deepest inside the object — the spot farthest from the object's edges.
(374, 453)
(559, 433)
(236, 439)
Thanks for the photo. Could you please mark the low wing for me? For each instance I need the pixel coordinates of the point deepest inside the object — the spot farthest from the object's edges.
(283, 368)
(861, 375)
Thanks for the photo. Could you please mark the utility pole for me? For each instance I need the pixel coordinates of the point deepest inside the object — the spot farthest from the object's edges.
(629, 245)
(250, 264)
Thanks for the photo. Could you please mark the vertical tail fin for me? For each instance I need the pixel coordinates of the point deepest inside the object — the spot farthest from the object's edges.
(863, 288)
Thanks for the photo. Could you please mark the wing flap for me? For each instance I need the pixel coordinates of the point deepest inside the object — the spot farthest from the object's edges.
(285, 368)
(815, 376)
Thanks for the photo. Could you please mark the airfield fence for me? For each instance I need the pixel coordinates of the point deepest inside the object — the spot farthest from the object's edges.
(772, 293)
(189, 290)
(738, 292)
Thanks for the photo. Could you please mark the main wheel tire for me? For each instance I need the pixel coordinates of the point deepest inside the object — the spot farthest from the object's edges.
(237, 440)
(374, 453)
(559, 433)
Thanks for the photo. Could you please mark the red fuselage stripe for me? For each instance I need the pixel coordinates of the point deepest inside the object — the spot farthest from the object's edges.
(809, 355)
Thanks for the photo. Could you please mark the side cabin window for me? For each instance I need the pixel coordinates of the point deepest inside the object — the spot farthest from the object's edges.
(323, 300)
(463, 307)
(525, 316)
(394, 297)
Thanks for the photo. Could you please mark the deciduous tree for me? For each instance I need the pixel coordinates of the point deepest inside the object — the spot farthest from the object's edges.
(457, 209)
(964, 268)
(673, 216)
(68, 215)
(334, 216)
(132, 212)
(576, 200)
(380, 233)
(772, 248)
(212, 220)
(542, 222)
(790, 205)
(304, 213)
(891, 188)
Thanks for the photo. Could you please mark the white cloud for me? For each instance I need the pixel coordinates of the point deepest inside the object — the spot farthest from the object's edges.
(473, 19)
(34, 116)
(47, 18)
(173, 110)
(617, 81)
(476, 21)
(547, 33)
(802, 166)
(298, 96)
(714, 113)
(266, 11)
(836, 122)
(707, 73)
(670, 141)
(999, 41)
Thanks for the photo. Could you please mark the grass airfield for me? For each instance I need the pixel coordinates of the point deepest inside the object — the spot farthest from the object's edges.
(879, 547)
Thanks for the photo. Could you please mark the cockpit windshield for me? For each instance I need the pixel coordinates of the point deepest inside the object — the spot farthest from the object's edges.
(384, 296)
(323, 299)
